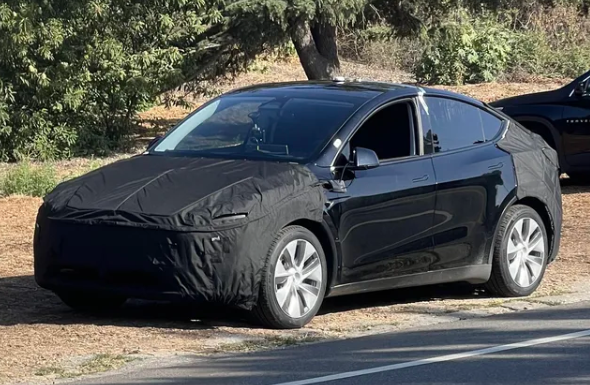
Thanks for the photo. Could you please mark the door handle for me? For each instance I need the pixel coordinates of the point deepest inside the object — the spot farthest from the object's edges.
(496, 166)
(420, 179)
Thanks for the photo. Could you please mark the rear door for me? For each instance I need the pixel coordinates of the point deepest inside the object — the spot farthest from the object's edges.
(470, 171)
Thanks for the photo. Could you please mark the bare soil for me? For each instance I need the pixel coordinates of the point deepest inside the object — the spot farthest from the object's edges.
(40, 337)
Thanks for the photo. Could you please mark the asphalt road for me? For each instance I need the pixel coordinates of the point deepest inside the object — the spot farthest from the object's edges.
(547, 346)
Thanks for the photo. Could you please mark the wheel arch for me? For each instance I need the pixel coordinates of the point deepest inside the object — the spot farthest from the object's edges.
(536, 124)
(543, 211)
(539, 207)
(322, 232)
(508, 202)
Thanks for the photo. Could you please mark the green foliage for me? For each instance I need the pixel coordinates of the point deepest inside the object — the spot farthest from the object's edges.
(465, 50)
(487, 45)
(73, 74)
(26, 179)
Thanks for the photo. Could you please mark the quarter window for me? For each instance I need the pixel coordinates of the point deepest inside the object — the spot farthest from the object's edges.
(450, 124)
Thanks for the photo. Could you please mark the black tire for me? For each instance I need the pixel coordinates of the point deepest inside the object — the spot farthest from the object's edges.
(91, 302)
(501, 282)
(268, 312)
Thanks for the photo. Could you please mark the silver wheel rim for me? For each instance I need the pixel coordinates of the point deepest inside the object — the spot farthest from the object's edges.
(526, 252)
(298, 278)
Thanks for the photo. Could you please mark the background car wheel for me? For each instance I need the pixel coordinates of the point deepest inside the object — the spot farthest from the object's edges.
(91, 302)
(294, 280)
(520, 253)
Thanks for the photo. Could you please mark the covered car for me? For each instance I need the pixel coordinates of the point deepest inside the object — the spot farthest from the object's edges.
(272, 197)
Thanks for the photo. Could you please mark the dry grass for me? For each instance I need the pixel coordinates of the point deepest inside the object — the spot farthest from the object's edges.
(38, 333)
(97, 363)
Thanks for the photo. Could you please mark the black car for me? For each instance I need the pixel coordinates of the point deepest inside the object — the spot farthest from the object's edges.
(562, 118)
(271, 198)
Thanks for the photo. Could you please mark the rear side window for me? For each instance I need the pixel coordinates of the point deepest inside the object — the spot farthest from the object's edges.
(450, 124)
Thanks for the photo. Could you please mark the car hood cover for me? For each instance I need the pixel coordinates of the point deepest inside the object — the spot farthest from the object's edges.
(181, 192)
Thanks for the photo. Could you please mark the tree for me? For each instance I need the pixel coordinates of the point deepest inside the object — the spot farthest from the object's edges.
(311, 25)
(73, 74)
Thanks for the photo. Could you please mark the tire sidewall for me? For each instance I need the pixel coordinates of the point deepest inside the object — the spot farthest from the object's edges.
(521, 213)
(278, 313)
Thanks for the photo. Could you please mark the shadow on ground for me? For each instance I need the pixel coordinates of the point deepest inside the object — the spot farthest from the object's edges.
(23, 302)
(569, 186)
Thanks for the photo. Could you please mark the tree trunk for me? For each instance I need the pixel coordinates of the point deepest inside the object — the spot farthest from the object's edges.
(314, 63)
(324, 36)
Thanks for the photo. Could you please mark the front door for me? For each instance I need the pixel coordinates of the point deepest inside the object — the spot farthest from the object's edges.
(385, 217)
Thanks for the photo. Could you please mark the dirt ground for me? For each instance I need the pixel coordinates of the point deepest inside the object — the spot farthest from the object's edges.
(41, 339)
(40, 335)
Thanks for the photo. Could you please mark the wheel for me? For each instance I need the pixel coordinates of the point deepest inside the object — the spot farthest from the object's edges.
(91, 302)
(294, 280)
(520, 253)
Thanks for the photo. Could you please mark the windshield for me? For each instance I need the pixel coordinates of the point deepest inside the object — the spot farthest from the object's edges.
(280, 127)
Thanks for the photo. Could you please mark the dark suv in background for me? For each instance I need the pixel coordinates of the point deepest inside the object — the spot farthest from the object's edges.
(562, 118)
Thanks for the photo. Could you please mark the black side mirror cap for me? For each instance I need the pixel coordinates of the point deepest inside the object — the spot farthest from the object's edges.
(364, 159)
(154, 141)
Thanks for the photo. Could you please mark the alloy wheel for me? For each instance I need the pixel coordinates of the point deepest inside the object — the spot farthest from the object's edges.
(526, 252)
(298, 278)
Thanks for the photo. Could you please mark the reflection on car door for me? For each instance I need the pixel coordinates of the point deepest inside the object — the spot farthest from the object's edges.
(470, 175)
(386, 215)
(386, 220)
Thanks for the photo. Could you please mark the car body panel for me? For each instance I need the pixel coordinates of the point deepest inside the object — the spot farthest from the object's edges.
(471, 184)
(385, 220)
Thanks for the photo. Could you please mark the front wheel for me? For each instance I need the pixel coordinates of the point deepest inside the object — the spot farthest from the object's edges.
(294, 280)
(520, 253)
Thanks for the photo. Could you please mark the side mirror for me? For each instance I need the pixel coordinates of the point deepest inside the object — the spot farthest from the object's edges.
(364, 159)
(154, 141)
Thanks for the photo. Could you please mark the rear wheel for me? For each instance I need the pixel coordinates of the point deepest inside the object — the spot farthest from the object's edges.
(294, 280)
(91, 302)
(520, 253)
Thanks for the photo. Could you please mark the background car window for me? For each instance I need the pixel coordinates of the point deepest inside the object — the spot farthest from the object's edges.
(450, 124)
(388, 132)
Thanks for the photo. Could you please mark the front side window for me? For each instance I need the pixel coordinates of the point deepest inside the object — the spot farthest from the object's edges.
(388, 132)
(450, 124)
(277, 127)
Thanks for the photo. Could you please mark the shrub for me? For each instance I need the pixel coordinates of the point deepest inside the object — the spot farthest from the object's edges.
(26, 179)
(465, 50)
(377, 46)
(73, 74)
(552, 42)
